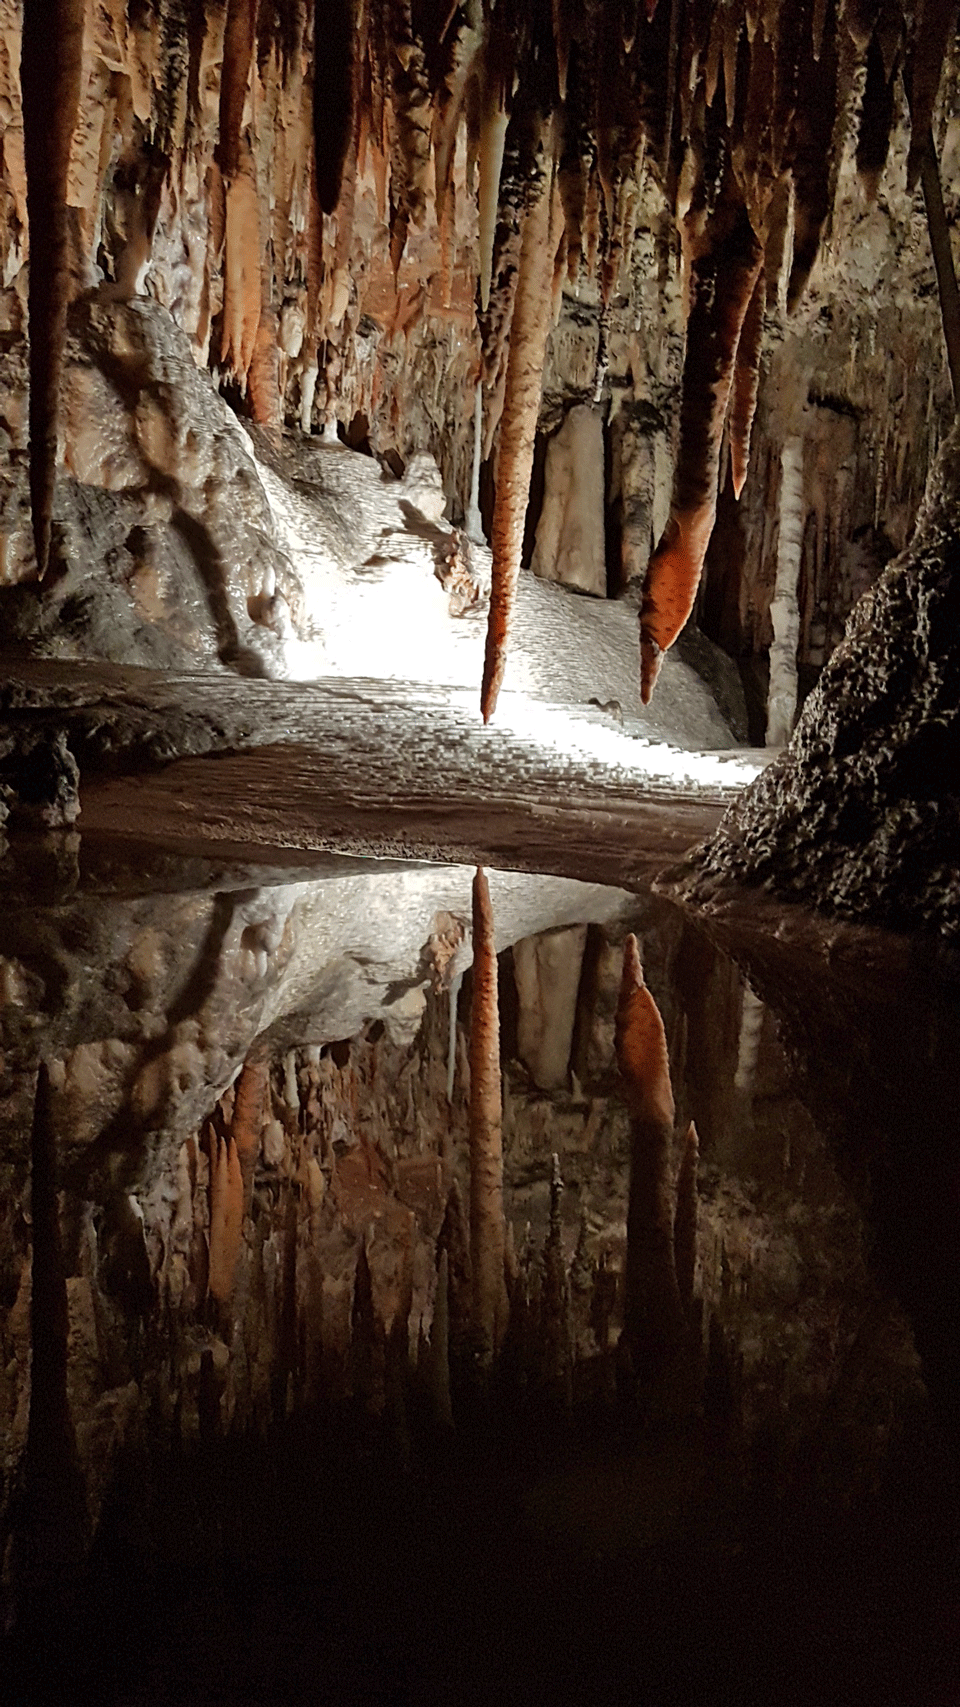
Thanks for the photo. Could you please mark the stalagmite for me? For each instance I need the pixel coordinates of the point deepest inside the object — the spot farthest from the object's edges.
(653, 1322)
(486, 1140)
(493, 133)
(784, 611)
(685, 1219)
(518, 426)
(226, 1216)
(725, 263)
(746, 384)
(50, 76)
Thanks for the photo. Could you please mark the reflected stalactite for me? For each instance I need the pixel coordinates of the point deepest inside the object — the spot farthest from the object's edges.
(653, 1319)
(49, 1520)
(685, 1219)
(249, 1116)
(226, 1215)
(490, 1306)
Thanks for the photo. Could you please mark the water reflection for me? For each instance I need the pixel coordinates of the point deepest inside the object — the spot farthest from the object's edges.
(281, 1431)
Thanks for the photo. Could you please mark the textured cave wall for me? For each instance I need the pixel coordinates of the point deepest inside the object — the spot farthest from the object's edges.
(861, 813)
(316, 226)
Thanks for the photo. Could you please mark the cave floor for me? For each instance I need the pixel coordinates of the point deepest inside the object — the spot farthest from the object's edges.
(248, 768)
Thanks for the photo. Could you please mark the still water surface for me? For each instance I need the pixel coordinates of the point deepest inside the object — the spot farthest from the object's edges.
(262, 1458)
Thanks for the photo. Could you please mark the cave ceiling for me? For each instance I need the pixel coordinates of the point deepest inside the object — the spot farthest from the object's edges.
(399, 220)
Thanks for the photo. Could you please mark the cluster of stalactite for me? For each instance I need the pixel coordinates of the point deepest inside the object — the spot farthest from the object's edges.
(304, 185)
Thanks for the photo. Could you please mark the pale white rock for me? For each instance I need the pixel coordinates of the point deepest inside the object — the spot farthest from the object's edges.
(784, 611)
(570, 544)
(547, 973)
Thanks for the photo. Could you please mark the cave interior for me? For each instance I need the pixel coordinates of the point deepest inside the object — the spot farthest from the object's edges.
(479, 828)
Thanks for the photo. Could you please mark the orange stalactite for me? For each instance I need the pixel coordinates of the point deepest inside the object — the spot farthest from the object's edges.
(238, 39)
(486, 1139)
(725, 260)
(51, 64)
(241, 281)
(518, 427)
(746, 385)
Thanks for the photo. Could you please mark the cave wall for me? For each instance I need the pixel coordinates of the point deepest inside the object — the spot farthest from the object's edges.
(313, 198)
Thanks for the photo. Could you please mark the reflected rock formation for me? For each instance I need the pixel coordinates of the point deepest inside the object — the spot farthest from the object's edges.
(291, 1260)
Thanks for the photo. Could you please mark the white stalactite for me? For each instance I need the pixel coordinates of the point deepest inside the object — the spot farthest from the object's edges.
(785, 611)
(474, 524)
(493, 135)
(454, 993)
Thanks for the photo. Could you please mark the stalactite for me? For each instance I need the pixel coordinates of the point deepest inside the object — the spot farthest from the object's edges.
(263, 380)
(486, 1137)
(528, 342)
(241, 282)
(334, 97)
(238, 41)
(942, 249)
(725, 262)
(746, 385)
(653, 1323)
(412, 129)
(50, 77)
(936, 23)
(446, 124)
(226, 1216)
(876, 119)
(474, 521)
(685, 1219)
(493, 133)
(784, 611)
(814, 160)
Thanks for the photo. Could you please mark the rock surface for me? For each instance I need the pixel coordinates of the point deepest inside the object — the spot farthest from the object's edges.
(861, 813)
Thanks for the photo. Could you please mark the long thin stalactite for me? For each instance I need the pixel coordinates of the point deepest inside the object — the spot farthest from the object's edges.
(51, 65)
